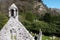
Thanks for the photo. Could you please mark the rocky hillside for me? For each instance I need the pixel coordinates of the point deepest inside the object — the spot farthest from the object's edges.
(23, 5)
(36, 6)
(54, 11)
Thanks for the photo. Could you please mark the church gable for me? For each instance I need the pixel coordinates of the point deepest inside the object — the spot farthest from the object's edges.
(14, 29)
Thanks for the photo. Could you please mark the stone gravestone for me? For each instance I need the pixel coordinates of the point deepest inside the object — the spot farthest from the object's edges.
(13, 29)
(40, 35)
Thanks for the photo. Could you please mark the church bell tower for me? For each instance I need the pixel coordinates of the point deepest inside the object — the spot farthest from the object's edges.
(13, 11)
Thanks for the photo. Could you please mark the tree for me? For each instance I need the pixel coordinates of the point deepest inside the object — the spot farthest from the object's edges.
(3, 20)
(30, 16)
(47, 17)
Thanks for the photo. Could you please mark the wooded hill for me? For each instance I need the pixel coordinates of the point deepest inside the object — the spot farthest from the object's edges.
(34, 14)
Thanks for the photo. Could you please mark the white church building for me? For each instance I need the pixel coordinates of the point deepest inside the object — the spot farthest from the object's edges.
(13, 29)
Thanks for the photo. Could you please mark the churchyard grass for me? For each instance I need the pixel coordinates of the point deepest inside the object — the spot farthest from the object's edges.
(50, 38)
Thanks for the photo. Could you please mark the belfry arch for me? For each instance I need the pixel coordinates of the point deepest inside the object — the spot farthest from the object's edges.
(13, 11)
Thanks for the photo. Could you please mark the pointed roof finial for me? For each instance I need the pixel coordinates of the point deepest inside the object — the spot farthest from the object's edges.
(13, 6)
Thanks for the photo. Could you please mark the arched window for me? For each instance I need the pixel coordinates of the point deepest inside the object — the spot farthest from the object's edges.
(12, 12)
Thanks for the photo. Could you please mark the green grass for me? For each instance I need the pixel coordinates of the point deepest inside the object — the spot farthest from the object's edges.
(50, 38)
(45, 37)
